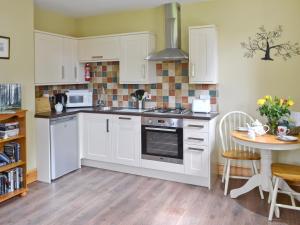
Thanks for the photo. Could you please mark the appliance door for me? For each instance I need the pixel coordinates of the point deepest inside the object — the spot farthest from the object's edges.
(64, 146)
(162, 144)
(75, 100)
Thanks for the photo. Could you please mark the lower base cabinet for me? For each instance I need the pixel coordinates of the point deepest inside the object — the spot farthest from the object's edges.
(97, 137)
(127, 140)
(111, 138)
(196, 160)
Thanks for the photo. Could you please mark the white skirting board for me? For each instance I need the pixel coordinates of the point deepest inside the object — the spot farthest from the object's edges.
(182, 178)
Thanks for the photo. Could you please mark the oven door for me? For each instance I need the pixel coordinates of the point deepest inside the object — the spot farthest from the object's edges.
(162, 144)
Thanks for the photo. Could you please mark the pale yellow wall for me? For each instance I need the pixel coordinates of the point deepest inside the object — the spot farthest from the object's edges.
(53, 22)
(242, 80)
(123, 22)
(16, 22)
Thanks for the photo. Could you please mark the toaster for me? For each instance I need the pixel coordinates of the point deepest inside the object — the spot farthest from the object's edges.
(201, 105)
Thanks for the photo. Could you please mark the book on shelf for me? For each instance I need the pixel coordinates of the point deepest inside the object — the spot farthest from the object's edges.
(11, 180)
(12, 150)
(8, 130)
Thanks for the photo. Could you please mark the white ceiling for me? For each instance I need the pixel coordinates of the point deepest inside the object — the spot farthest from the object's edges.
(80, 8)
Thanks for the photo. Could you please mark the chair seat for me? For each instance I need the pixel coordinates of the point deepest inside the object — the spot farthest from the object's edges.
(241, 155)
(287, 172)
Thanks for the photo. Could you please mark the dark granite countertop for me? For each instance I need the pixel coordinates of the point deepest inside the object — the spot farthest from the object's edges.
(118, 111)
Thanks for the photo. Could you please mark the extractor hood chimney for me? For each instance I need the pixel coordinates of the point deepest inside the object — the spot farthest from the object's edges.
(172, 36)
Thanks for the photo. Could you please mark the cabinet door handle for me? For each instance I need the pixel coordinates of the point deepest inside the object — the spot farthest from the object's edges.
(97, 57)
(63, 72)
(107, 125)
(196, 139)
(75, 72)
(124, 118)
(196, 126)
(196, 149)
(193, 69)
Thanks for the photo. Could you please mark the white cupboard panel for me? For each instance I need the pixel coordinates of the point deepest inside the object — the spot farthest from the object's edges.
(196, 160)
(203, 55)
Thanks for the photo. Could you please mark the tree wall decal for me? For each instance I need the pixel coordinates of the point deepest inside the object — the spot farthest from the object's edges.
(266, 41)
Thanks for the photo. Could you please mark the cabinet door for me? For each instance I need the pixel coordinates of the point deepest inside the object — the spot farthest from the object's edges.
(69, 60)
(99, 49)
(97, 137)
(134, 69)
(196, 160)
(48, 58)
(127, 140)
(203, 55)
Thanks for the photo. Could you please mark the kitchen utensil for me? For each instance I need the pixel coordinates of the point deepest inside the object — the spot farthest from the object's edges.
(59, 107)
(139, 94)
(242, 129)
(61, 98)
(282, 131)
(259, 128)
(42, 105)
(287, 138)
(251, 133)
(201, 105)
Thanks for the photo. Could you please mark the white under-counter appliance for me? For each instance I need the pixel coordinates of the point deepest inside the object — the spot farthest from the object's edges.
(201, 105)
(64, 146)
(79, 98)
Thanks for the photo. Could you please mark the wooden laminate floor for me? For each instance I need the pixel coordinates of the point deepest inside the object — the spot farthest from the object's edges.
(93, 196)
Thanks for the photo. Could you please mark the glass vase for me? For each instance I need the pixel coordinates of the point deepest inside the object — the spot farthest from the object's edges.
(273, 124)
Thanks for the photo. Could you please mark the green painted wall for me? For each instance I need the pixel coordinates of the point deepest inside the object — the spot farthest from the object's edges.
(53, 22)
(16, 22)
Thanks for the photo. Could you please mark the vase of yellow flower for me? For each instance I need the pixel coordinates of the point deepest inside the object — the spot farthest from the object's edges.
(274, 109)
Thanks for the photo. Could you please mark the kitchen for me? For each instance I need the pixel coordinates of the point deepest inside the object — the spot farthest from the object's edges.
(115, 75)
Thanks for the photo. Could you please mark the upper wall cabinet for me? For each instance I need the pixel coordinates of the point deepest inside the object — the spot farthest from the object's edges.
(134, 69)
(56, 59)
(95, 49)
(203, 55)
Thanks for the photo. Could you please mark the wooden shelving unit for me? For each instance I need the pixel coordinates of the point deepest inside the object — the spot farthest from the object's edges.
(20, 116)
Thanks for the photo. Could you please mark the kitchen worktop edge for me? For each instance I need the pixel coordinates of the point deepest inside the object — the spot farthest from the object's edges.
(189, 115)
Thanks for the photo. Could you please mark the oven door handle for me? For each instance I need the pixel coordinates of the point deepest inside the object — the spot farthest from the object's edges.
(161, 129)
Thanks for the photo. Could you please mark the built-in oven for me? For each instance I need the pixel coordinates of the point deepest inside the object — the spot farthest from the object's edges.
(162, 139)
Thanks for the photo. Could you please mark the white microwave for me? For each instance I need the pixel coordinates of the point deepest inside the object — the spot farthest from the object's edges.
(79, 98)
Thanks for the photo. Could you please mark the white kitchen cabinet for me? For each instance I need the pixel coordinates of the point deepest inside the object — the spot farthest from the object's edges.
(196, 160)
(134, 69)
(111, 138)
(127, 140)
(97, 136)
(70, 62)
(203, 55)
(199, 153)
(96, 49)
(56, 60)
(48, 59)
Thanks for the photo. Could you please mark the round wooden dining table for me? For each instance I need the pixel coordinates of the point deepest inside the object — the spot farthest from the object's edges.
(266, 144)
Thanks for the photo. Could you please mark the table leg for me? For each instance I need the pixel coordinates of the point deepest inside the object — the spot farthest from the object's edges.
(262, 179)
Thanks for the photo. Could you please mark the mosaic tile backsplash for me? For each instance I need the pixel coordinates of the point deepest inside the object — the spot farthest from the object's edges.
(171, 90)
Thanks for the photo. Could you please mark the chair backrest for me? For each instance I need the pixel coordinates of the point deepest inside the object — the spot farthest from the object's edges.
(230, 122)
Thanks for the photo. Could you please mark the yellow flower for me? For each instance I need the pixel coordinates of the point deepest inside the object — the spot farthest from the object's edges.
(290, 102)
(261, 101)
(281, 102)
(268, 97)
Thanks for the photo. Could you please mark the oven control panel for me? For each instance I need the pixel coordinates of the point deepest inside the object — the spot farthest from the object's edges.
(162, 122)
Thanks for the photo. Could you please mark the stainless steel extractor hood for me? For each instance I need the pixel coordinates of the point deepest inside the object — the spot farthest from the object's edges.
(172, 36)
